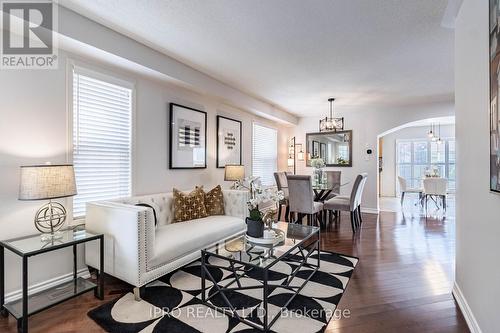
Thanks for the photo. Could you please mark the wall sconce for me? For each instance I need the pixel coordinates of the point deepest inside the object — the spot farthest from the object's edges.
(291, 155)
(295, 153)
(300, 152)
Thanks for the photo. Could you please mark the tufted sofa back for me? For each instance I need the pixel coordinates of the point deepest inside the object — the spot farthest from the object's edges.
(163, 203)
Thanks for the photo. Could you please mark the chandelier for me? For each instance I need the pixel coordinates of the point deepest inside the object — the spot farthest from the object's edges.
(331, 123)
(435, 135)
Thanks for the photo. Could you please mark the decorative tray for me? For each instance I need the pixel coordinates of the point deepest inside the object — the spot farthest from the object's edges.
(279, 236)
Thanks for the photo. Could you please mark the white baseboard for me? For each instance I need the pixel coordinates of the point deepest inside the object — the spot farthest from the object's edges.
(367, 210)
(466, 311)
(17, 294)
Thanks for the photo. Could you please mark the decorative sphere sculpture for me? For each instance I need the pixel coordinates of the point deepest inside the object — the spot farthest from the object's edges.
(50, 217)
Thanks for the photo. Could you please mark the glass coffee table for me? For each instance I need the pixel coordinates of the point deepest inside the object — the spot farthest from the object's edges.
(241, 259)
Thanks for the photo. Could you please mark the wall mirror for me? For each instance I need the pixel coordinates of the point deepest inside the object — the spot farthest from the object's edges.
(335, 148)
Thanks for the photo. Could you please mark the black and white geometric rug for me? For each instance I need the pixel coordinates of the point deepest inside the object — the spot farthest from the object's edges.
(173, 303)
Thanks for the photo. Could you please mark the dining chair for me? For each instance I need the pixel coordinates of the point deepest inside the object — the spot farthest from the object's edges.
(435, 188)
(301, 199)
(360, 196)
(403, 187)
(351, 203)
(333, 180)
(282, 184)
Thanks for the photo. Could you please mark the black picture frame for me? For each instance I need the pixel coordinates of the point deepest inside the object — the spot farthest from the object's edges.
(494, 99)
(322, 150)
(172, 162)
(219, 163)
(315, 149)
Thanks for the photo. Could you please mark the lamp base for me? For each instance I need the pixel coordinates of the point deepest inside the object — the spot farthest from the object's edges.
(50, 218)
(49, 237)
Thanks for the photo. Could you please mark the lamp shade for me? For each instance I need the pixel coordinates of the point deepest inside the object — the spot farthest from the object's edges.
(234, 172)
(300, 155)
(41, 182)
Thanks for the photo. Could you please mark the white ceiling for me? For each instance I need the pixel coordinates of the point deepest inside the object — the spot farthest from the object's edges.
(296, 53)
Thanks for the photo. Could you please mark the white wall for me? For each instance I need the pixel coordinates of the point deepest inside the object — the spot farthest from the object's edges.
(478, 210)
(367, 125)
(34, 129)
(388, 174)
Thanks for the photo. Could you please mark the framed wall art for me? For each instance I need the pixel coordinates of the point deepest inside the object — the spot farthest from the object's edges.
(228, 141)
(188, 138)
(322, 151)
(494, 95)
(315, 149)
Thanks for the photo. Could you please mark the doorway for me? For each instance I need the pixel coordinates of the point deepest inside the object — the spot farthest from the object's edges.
(408, 155)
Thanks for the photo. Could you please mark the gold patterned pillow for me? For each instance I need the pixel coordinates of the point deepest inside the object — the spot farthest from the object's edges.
(214, 201)
(189, 206)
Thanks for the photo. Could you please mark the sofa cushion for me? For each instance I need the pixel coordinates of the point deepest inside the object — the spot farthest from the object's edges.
(189, 206)
(178, 239)
(214, 201)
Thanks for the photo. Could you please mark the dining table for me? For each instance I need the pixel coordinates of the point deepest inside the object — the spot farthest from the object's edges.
(322, 190)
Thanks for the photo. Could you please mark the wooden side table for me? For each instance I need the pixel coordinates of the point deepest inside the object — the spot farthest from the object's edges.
(30, 246)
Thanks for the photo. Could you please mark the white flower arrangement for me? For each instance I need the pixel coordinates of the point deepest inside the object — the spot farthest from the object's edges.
(318, 163)
(260, 196)
(267, 195)
(248, 183)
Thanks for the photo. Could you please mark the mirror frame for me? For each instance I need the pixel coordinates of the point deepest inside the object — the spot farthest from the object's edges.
(308, 162)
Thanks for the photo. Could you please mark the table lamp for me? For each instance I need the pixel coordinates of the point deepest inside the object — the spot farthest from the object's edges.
(47, 182)
(234, 173)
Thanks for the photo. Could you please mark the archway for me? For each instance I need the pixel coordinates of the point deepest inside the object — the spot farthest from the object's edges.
(410, 136)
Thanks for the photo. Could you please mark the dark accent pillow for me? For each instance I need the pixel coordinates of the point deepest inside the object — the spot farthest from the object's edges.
(189, 206)
(214, 201)
(149, 206)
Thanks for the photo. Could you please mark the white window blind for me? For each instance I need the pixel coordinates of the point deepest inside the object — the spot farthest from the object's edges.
(264, 153)
(102, 121)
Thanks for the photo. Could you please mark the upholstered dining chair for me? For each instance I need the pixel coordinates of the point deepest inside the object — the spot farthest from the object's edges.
(403, 187)
(333, 180)
(301, 199)
(282, 184)
(435, 188)
(351, 203)
(359, 197)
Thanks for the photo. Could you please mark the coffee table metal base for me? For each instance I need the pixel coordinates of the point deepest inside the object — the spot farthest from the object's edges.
(240, 270)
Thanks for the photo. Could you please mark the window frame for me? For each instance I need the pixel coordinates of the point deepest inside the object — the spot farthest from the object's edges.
(111, 77)
(256, 123)
(428, 163)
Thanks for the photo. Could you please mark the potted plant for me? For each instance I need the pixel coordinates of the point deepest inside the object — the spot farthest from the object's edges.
(257, 217)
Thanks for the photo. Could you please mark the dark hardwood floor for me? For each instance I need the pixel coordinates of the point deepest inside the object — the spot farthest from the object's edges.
(402, 283)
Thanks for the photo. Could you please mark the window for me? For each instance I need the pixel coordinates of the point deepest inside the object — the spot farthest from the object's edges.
(415, 157)
(102, 120)
(343, 152)
(264, 153)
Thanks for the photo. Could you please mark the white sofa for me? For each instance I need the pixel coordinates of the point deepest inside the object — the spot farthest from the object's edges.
(138, 252)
